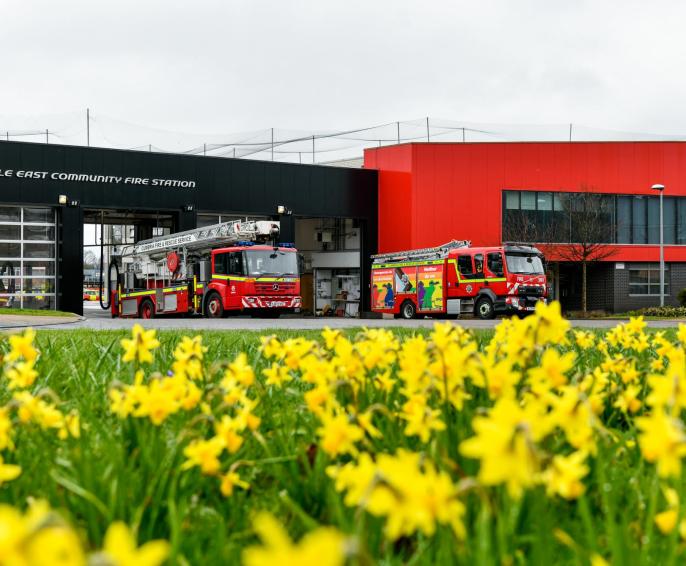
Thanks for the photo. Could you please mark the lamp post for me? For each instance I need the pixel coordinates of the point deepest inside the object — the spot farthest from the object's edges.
(661, 189)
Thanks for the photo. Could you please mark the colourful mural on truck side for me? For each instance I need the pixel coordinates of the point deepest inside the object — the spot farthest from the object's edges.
(383, 296)
(405, 279)
(430, 287)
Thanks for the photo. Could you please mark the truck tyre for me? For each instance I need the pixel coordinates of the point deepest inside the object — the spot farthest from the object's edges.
(213, 305)
(408, 310)
(484, 309)
(146, 309)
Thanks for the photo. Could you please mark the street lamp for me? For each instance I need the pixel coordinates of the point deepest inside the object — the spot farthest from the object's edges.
(661, 189)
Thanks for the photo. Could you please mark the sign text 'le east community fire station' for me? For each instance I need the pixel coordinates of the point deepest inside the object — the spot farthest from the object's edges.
(89, 178)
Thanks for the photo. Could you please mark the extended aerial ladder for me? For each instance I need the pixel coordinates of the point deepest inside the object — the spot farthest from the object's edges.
(164, 274)
(222, 234)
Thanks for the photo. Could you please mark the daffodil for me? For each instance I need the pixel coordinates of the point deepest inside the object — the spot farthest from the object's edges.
(505, 443)
(339, 435)
(324, 546)
(563, 476)
(21, 346)
(204, 454)
(405, 488)
(228, 430)
(666, 520)
(21, 375)
(276, 375)
(230, 481)
(140, 346)
(662, 441)
(8, 472)
(120, 548)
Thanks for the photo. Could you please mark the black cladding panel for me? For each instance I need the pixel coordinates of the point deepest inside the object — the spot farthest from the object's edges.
(220, 184)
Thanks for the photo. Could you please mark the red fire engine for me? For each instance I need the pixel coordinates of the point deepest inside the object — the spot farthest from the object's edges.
(456, 278)
(215, 270)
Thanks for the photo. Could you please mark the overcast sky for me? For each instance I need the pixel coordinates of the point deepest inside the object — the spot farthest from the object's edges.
(227, 66)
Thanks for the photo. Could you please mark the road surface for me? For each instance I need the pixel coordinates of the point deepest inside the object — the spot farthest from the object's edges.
(97, 319)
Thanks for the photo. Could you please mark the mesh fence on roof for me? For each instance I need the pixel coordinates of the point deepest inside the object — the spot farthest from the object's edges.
(296, 146)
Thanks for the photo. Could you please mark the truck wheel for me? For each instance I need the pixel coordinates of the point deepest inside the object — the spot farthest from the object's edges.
(213, 306)
(408, 310)
(484, 309)
(146, 309)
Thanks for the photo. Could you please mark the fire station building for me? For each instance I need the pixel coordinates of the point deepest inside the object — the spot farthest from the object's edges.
(488, 193)
(57, 201)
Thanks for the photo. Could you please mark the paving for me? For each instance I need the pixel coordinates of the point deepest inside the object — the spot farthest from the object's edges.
(9, 321)
(97, 319)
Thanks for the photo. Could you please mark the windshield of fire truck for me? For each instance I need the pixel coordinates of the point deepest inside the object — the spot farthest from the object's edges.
(271, 263)
(524, 264)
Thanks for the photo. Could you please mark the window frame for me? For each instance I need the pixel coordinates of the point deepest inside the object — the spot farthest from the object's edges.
(653, 272)
(23, 261)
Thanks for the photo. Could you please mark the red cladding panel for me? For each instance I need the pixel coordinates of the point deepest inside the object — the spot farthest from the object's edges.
(432, 193)
(395, 195)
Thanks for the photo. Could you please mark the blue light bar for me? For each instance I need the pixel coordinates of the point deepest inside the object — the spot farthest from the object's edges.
(245, 243)
(286, 245)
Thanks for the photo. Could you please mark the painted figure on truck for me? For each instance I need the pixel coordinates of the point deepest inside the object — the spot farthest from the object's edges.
(426, 303)
(388, 299)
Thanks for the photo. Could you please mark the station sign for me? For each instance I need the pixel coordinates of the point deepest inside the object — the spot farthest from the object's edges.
(89, 178)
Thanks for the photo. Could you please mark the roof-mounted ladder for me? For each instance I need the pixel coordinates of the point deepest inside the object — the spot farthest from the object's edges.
(437, 252)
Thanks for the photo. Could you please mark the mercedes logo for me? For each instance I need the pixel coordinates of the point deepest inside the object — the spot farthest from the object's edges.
(275, 287)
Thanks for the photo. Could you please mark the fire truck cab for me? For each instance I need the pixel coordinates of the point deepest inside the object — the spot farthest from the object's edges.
(456, 279)
(215, 270)
(262, 280)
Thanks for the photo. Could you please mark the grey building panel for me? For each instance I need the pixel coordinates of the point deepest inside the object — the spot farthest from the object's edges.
(600, 292)
(623, 301)
(608, 287)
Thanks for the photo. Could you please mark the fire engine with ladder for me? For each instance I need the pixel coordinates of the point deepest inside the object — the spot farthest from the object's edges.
(456, 278)
(230, 267)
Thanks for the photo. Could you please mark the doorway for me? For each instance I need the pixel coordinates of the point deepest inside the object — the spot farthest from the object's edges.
(104, 230)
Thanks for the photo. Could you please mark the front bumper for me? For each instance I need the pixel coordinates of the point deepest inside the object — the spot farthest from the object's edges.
(520, 304)
(271, 302)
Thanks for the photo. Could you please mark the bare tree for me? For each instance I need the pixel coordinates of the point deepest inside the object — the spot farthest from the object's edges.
(593, 229)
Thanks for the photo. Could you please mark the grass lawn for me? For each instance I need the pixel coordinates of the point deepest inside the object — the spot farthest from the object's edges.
(35, 312)
(133, 469)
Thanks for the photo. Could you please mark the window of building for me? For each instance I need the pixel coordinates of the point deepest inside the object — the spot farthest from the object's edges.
(27, 257)
(528, 200)
(512, 200)
(208, 218)
(544, 201)
(639, 233)
(623, 220)
(669, 220)
(557, 202)
(558, 217)
(653, 225)
(646, 280)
